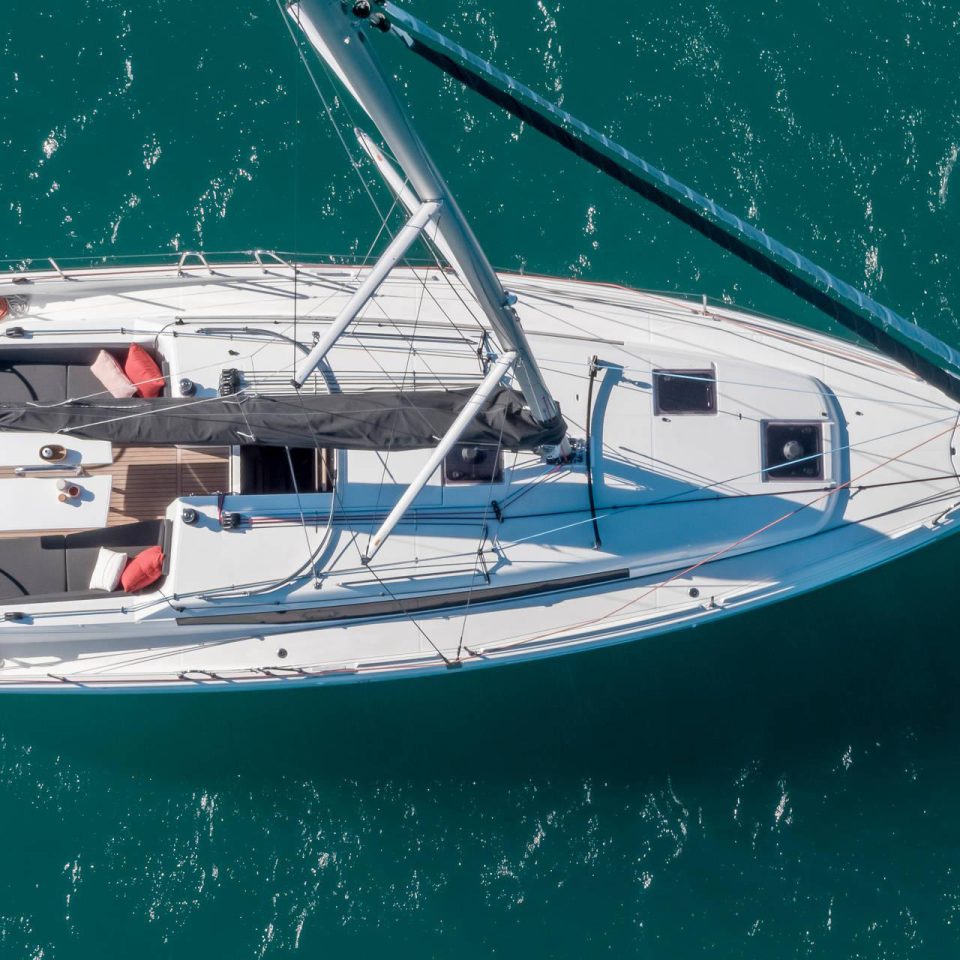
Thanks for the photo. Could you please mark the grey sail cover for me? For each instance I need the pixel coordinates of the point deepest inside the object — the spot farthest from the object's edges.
(349, 421)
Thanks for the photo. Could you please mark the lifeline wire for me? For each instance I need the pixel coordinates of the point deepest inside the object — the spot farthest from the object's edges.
(741, 540)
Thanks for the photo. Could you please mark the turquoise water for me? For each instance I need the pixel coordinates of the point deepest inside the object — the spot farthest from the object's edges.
(782, 785)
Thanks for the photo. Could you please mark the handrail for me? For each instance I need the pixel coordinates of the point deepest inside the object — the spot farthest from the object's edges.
(192, 253)
(56, 266)
(257, 254)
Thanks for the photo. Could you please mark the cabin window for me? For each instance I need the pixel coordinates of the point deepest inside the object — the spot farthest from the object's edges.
(792, 450)
(473, 463)
(267, 470)
(684, 392)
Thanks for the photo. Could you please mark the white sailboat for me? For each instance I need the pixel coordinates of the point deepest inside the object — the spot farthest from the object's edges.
(263, 471)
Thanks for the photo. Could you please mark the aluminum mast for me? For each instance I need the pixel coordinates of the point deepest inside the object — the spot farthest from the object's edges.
(340, 38)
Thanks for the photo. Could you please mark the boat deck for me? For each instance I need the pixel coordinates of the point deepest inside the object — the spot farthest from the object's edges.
(147, 479)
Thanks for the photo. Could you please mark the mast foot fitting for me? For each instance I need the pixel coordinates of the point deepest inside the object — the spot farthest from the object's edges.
(562, 452)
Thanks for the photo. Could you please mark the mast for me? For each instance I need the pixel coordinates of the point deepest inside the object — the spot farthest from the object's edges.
(341, 40)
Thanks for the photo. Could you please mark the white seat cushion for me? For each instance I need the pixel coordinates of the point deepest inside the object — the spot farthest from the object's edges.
(107, 571)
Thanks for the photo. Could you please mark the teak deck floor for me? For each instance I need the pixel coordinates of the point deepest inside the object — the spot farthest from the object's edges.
(147, 479)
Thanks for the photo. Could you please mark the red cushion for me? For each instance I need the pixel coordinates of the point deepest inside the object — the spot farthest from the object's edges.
(141, 369)
(144, 569)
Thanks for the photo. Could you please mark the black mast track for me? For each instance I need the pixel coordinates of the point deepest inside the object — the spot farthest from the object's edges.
(910, 345)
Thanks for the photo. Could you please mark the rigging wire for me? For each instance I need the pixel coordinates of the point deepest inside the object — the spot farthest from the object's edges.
(303, 523)
(384, 460)
(344, 105)
(327, 108)
(588, 454)
(336, 499)
(730, 547)
(697, 319)
(296, 211)
(478, 558)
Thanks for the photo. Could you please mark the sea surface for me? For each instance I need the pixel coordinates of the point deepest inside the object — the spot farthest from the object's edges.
(786, 784)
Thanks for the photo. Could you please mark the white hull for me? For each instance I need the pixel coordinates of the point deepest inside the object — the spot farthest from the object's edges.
(690, 531)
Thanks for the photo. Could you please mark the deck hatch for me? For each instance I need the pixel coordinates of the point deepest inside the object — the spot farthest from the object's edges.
(792, 450)
(473, 463)
(267, 470)
(685, 392)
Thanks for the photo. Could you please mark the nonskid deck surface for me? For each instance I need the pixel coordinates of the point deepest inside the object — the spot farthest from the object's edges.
(689, 529)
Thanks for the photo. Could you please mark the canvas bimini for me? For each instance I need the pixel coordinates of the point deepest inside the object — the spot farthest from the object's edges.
(269, 471)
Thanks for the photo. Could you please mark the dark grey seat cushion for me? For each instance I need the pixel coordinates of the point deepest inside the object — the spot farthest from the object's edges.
(82, 383)
(43, 382)
(31, 565)
(50, 382)
(57, 567)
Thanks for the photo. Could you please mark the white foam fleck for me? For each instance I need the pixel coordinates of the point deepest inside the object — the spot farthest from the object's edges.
(267, 938)
(551, 56)
(534, 843)
(299, 929)
(590, 228)
(591, 225)
(782, 804)
(946, 168)
(214, 200)
(151, 152)
(51, 145)
(581, 265)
